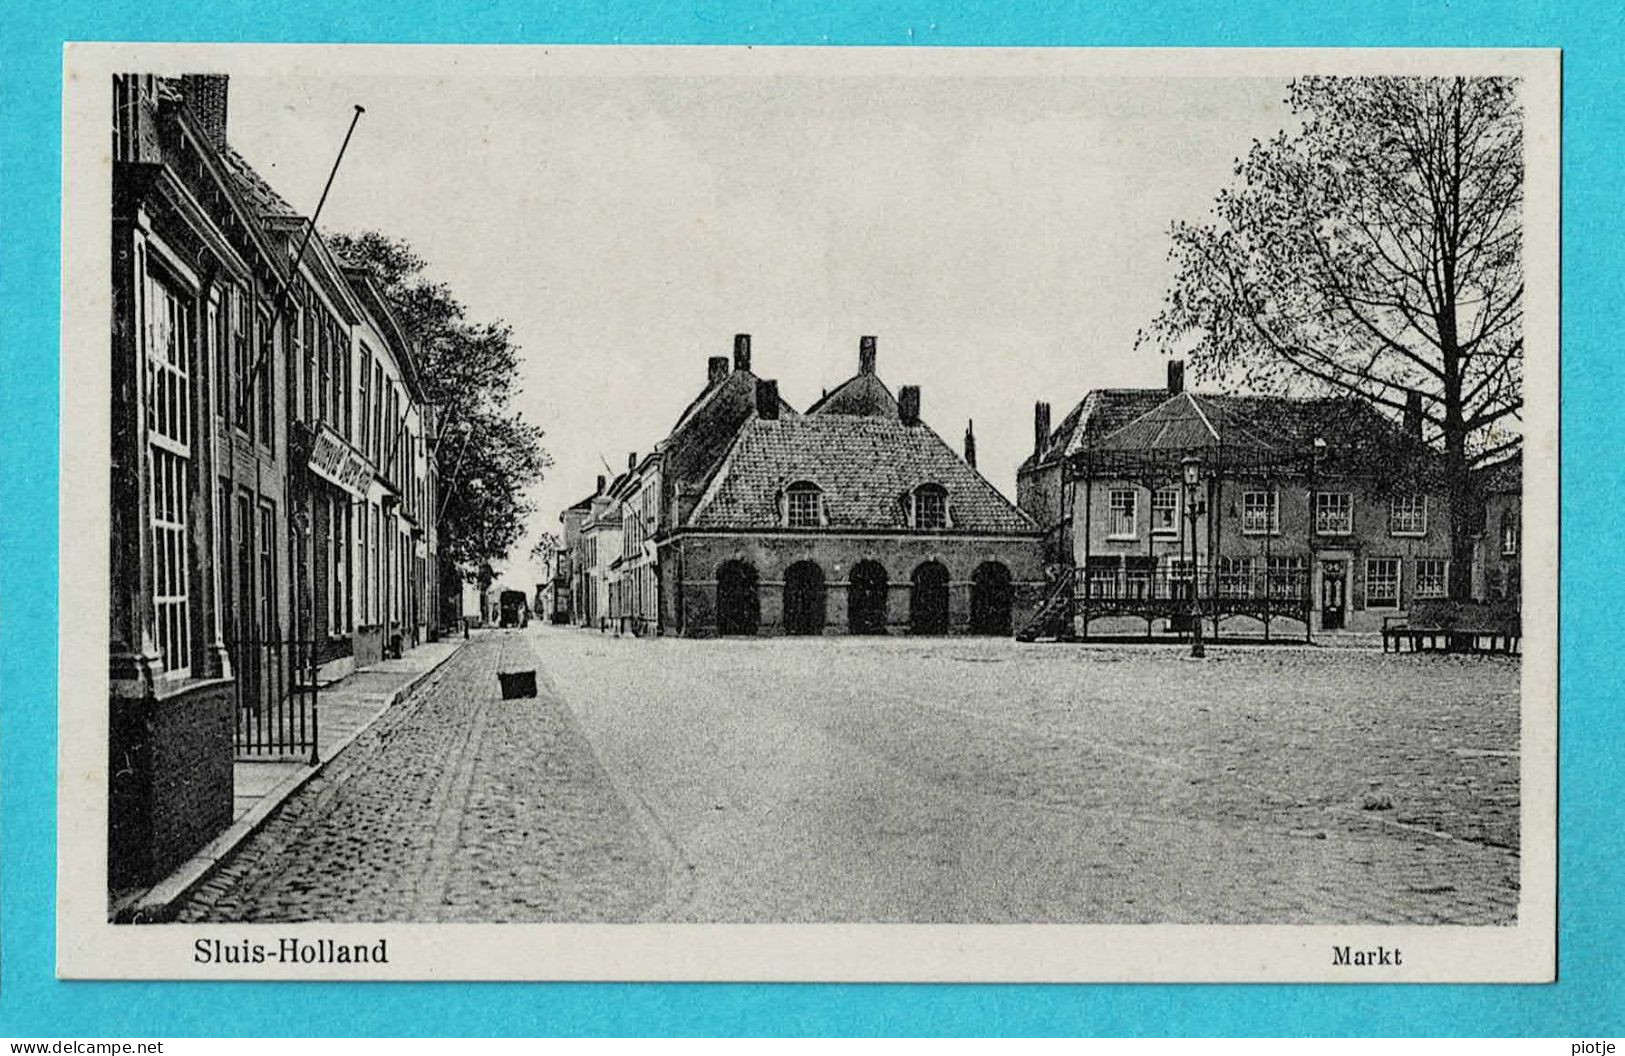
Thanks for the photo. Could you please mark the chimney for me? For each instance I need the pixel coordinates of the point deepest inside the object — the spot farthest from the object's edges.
(1413, 414)
(600, 490)
(205, 95)
(970, 444)
(1040, 427)
(767, 399)
(908, 404)
(631, 461)
(1176, 377)
(741, 351)
(716, 369)
(866, 355)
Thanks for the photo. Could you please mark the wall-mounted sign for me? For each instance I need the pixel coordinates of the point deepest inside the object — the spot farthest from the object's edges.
(334, 460)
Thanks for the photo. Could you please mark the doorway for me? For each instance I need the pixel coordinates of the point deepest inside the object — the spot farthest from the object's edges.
(804, 598)
(1333, 595)
(928, 600)
(738, 609)
(866, 598)
(990, 599)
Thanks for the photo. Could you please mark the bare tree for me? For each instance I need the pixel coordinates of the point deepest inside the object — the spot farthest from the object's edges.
(1376, 250)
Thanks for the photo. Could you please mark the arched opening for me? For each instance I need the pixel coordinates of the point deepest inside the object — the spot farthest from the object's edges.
(804, 598)
(738, 609)
(990, 599)
(866, 599)
(928, 600)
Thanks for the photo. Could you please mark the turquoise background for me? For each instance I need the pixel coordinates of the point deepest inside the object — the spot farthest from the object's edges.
(1592, 950)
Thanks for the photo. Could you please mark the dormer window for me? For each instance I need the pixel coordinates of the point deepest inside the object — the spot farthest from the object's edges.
(930, 506)
(803, 505)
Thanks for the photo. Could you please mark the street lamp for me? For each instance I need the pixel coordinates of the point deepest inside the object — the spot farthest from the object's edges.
(1193, 480)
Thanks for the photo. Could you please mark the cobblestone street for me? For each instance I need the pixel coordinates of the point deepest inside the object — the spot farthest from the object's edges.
(846, 779)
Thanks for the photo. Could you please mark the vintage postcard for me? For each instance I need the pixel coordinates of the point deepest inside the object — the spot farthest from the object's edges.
(809, 514)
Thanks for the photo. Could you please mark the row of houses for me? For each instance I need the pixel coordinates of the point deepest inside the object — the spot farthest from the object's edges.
(273, 489)
(1321, 512)
(750, 517)
(1141, 511)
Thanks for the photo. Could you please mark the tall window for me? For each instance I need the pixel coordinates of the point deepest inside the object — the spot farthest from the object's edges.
(930, 506)
(363, 593)
(309, 316)
(1408, 515)
(345, 375)
(169, 455)
(1382, 583)
(1121, 519)
(1334, 513)
(377, 412)
(338, 591)
(1165, 511)
(366, 398)
(1432, 577)
(265, 378)
(802, 507)
(241, 359)
(1260, 513)
(324, 367)
(267, 559)
(1509, 535)
(220, 337)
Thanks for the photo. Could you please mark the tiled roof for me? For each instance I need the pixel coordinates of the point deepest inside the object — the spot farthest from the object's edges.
(1181, 423)
(1356, 433)
(865, 467)
(861, 394)
(260, 195)
(734, 380)
(1100, 412)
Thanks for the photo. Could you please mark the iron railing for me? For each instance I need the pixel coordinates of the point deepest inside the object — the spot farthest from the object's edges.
(276, 695)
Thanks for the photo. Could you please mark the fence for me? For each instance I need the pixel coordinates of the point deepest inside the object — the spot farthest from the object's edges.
(1180, 591)
(276, 713)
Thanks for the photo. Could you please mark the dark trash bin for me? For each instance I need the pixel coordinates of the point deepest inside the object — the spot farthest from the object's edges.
(516, 684)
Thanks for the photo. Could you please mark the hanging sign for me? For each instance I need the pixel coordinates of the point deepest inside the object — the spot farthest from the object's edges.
(334, 460)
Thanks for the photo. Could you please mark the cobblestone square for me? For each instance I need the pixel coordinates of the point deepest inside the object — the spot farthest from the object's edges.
(910, 780)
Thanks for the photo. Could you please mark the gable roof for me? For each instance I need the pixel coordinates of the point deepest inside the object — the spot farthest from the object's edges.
(709, 395)
(864, 466)
(1100, 412)
(862, 394)
(1182, 423)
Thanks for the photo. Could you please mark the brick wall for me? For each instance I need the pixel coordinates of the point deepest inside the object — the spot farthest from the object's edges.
(170, 767)
(771, 555)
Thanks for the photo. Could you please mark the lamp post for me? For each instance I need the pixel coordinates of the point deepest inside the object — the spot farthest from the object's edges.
(1193, 480)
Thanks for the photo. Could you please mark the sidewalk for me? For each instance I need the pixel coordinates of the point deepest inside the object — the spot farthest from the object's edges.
(346, 707)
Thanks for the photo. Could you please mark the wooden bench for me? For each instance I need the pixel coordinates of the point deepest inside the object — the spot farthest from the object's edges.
(1455, 627)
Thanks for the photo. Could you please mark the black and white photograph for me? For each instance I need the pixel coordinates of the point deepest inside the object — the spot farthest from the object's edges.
(1031, 514)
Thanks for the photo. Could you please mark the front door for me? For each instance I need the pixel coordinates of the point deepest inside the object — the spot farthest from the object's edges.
(1333, 594)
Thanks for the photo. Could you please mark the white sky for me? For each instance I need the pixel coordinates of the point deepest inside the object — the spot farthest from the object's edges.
(1003, 237)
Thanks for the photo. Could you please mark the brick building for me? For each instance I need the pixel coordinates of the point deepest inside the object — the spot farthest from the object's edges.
(248, 456)
(1263, 513)
(854, 517)
(1497, 568)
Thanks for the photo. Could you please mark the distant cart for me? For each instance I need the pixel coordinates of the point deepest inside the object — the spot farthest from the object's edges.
(514, 608)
